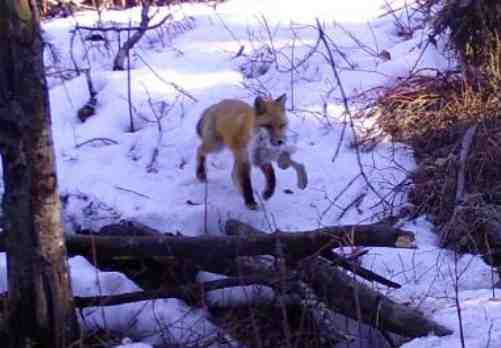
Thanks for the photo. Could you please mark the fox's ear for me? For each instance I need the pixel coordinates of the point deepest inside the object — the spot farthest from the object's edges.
(259, 106)
(281, 100)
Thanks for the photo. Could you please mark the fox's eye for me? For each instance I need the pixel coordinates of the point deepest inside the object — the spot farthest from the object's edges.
(282, 126)
(268, 127)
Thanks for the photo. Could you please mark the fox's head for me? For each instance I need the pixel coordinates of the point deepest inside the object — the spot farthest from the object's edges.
(271, 115)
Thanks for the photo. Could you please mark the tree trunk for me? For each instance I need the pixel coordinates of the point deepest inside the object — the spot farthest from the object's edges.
(40, 303)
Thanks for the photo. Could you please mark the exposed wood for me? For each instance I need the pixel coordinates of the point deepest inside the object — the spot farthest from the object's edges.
(490, 241)
(40, 305)
(463, 156)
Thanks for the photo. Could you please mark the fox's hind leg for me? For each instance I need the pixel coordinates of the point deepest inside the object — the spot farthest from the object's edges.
(202, 151)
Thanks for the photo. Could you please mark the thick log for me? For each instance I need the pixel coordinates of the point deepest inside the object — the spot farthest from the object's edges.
(214, 251)
(356, 300)
(372, 235)
(348, 296)
(246, 231)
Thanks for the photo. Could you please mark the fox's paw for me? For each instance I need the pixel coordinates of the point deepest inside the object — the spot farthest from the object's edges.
(201, 175)
(251, 205)
(267, 194)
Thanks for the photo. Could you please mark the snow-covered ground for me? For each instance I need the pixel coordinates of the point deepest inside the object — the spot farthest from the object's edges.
(107, 180)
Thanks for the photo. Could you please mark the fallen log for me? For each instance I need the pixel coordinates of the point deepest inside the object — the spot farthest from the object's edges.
(247, 231)
(349, 297)
(340, 292)
(300, 293)
(212, 252)
(346, 295)
(371, 235)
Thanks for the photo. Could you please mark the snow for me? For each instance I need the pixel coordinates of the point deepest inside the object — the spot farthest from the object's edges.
(235, 296)
(481, 319)
(133, 345)
(145, 319)
(106, 180)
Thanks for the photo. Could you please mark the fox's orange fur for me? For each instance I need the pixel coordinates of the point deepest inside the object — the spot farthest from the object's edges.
(232, 123)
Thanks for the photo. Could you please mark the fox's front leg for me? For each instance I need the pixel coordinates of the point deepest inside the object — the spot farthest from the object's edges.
(242, 178)
(201, 170)
(271, 181)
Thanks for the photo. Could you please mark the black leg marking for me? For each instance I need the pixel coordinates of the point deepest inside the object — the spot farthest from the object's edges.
(201, 171)
(246, 184)
(271, 180)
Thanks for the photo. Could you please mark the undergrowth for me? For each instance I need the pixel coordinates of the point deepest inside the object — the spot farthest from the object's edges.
(432, 111)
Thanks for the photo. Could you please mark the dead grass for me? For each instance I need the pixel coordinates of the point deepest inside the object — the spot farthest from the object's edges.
(261, 326)
(431, 112)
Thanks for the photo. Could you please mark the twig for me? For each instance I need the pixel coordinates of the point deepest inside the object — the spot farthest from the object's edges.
(341, 193)
(106, 141)
(362, 272)
(188, 292)
(206, 209)
(129, 86)
(333, 66)
(131, 191)
(120, 29)
(164, 111)
(356, 202)
(346, 107)
(280, 260)
(456, 298)
(172, 84)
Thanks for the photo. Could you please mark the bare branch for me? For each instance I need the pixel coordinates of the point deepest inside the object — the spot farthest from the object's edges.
(187, 292)
(123, 52)
(344, 96)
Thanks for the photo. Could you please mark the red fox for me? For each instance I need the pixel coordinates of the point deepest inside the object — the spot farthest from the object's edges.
(232, 123)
